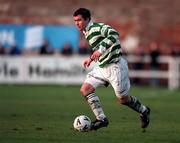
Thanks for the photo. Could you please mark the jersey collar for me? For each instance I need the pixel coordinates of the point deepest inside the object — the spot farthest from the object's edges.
(88, 26)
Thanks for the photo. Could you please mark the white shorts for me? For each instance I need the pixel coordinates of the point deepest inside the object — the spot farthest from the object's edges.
(115, 74)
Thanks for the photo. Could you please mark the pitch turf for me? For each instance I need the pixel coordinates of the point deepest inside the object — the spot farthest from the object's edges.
(44, 114)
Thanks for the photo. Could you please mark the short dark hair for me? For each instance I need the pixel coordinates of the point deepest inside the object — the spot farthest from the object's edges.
(85, 13)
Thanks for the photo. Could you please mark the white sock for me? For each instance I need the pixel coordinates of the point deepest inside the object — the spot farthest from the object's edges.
(95, 105)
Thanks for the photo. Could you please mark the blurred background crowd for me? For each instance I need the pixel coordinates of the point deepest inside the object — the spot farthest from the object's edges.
(146, 27)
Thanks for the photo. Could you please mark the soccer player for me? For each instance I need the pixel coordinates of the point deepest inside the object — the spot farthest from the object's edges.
(112, 69)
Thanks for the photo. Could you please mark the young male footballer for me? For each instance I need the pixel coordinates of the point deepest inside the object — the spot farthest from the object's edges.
(112, 69)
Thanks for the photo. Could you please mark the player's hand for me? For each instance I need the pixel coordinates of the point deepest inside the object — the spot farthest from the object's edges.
(87, 62)
(95, 56)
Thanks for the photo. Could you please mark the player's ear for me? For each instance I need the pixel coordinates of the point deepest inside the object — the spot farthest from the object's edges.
(89, 19)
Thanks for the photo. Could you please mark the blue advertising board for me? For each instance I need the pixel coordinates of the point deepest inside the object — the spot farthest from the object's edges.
(32, 36)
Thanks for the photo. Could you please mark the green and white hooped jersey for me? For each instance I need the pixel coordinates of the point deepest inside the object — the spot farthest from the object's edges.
(106, 39)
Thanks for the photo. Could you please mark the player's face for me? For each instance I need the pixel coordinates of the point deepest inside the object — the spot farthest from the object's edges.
(80, 22)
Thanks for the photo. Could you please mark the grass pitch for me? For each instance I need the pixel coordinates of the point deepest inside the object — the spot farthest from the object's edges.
(45, 114)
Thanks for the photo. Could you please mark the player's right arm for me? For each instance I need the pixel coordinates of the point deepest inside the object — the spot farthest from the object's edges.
(87, 62)
(94, 57)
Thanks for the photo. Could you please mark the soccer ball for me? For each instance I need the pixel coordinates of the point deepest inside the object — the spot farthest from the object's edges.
(82, 123)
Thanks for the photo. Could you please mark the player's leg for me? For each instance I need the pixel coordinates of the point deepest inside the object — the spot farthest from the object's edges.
(121, 86)
(88, 91)
(136, 105)
(132, 102)
(92, 81)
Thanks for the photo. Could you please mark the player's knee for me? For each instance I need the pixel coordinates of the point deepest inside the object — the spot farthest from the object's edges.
(86, 89)
(123, 99)
(82, 91)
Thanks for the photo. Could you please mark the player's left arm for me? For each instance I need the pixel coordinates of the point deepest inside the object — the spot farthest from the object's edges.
(111, 37)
